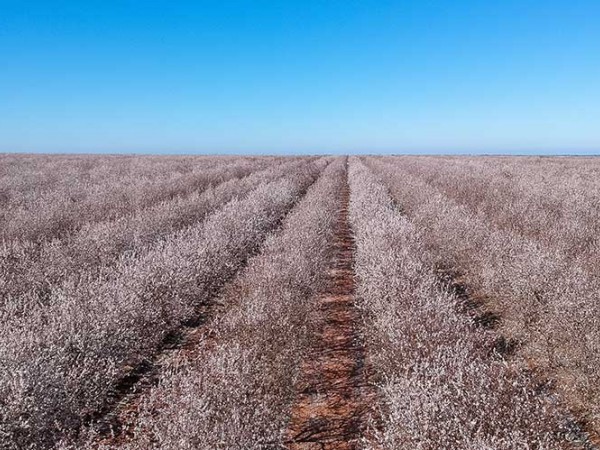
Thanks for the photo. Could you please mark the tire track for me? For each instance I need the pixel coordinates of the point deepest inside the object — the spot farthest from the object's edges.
(334, 401)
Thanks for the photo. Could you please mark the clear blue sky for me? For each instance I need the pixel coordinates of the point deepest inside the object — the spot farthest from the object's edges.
(300, 76)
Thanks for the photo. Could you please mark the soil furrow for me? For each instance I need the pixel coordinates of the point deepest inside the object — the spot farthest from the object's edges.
(334, 400)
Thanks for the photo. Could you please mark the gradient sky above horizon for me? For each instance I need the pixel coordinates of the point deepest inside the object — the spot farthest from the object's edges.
(300, 76)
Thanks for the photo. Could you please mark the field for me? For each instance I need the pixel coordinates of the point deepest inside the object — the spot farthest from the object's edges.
(199, 302)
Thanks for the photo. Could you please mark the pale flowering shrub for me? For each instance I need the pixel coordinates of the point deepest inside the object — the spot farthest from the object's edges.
(31, 269)
(237, 390)
(552, 200)
(103, 188)
(102, 259)
(442, 385)
(63, 357)
(546, 297)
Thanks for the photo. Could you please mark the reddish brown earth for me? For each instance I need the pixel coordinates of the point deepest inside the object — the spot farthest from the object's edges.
(334, 401)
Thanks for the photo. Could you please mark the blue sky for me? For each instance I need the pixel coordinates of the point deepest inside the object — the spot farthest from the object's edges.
(300, 76)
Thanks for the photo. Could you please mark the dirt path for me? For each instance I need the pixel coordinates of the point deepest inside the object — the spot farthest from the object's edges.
(334, 399)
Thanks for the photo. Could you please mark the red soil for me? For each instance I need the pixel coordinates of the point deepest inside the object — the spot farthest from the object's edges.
(334, 398)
